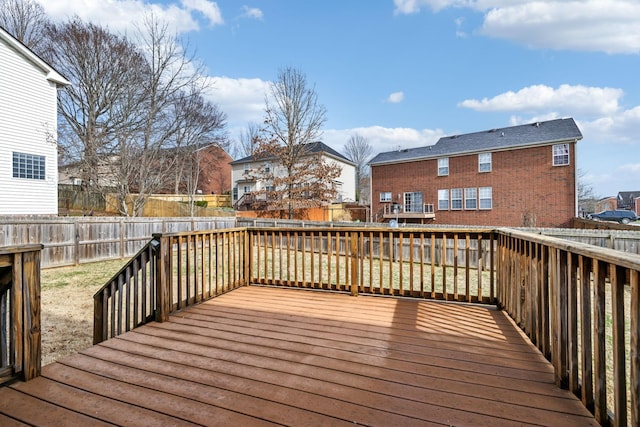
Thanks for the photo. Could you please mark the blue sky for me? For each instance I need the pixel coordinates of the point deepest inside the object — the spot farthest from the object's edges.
(404, 73)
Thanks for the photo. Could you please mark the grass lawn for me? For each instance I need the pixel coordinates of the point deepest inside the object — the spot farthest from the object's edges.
(67, 306)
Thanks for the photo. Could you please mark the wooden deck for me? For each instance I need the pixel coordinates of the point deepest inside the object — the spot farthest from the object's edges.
(258, 356)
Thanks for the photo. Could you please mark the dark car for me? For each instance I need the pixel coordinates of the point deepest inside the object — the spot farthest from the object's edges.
(618, 215)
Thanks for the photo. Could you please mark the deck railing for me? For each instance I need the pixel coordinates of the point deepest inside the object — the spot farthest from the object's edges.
(20, 349)
(439, 264)
(171, 272)
(578, 303)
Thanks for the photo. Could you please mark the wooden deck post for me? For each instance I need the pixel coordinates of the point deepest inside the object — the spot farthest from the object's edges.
(163, 278)
(353, 254)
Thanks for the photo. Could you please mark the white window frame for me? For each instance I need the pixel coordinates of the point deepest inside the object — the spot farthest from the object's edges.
(413, 201)
(471, 195)
(443, 199)
(29, 166)
(484, 162)
(456, 199)
(485, 197)
(246, 189)
(561, 155)
(384, 198)
(443, 166)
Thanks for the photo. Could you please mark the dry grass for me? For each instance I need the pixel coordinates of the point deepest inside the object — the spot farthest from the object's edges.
(67, 306)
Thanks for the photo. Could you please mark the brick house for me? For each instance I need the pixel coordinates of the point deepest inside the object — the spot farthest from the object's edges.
(515, 176)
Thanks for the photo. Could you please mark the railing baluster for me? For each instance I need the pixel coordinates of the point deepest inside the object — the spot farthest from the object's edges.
(617, 279)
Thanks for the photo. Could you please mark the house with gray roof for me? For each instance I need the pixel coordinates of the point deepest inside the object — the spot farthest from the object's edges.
(249, 187)
(513, 176)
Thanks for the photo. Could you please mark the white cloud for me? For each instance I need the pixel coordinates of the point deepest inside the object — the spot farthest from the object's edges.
(241, 99)
(251, 12)
(121, 15)
(208, 8)
(396, 97)
(564, 100)
(383, 139)
(585, 25)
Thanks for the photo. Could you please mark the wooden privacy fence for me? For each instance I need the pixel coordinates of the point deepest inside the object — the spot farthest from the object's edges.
(77, 240)
(578, 303)
(20, 351)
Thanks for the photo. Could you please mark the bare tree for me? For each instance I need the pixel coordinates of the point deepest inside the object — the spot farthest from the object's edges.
(102, 103)
(26, 20)
(294, 119)
(248, 140)
(359, 151)
(586, 196)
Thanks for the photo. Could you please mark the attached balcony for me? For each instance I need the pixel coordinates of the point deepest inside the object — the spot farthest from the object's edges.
(408, 211)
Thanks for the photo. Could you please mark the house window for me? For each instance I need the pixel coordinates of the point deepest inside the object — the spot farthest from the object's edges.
(443, 200)
(267, 168)
(235, 193)
(486, 197)
(247, 167)
(413, 202)
(560, 154)
(456, 199)
(28, 166)
(484, 162)
(385, 196)
(246, 189)
(470, 198)
(443, 167)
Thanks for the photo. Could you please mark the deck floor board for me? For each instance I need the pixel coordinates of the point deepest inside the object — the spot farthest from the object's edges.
(266, 356)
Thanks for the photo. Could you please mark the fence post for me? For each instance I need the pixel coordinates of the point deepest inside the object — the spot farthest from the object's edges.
(32, 326)
(163, 278)
(353, 253)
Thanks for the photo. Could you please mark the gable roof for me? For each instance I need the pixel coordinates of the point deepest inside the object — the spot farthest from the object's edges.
(312, 147)
(627, 197)
(538, 133)
(51, 74)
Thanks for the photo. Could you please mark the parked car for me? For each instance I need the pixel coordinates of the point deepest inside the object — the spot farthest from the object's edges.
(618, 215)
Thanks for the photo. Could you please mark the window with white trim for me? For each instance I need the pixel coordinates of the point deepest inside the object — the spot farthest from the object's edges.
(235, 193)
(484, 162)
(486, 197)
(443, 166)
(413, 202)
(385, 196)
(443, 200)
(560, 154)
(471, 198)
(456, 199)
(246, 189)
(28, 166)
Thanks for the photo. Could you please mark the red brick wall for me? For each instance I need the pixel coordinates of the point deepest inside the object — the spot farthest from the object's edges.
(527, 188)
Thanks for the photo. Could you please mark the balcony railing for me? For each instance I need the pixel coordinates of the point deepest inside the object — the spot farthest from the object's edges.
(579, 304)
(20, 350)
(397, 211)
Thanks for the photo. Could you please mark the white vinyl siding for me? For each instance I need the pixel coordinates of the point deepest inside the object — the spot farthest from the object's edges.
(27, 125)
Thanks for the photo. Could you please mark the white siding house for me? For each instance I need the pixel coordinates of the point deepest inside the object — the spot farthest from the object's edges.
(243, 183)
(28, 116)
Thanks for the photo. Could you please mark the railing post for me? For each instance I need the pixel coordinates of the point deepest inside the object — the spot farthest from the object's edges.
(30, 278)
(163, 278)
(353, 253)
(248, 245)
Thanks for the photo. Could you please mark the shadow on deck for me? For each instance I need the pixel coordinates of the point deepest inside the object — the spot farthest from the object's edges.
(260, 355)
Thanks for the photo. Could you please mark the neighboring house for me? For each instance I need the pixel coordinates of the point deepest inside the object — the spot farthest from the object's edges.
(28, 131)
(515, 176)
(213, 176)
(245, 184)
(606, 204)
(629, 200)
